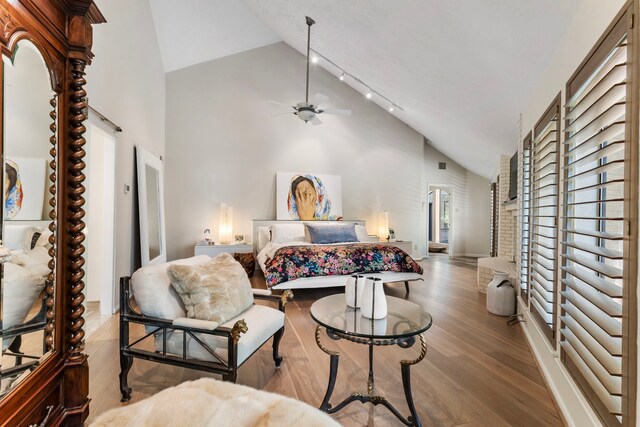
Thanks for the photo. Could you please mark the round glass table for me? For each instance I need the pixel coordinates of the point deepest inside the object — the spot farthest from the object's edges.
(404, 322)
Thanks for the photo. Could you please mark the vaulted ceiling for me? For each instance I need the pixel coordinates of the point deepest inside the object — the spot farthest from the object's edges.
(462, 70)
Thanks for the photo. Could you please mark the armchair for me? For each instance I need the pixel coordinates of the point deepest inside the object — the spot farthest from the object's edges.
(187, 342)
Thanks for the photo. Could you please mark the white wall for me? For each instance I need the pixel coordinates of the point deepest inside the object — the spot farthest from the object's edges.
(471, 199)
(222, 146)
(126, 83)
(589, 23)
(477, 232)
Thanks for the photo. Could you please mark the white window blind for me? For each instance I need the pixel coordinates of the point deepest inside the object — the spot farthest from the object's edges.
(525, 219)
(593, 232)
(543, 216)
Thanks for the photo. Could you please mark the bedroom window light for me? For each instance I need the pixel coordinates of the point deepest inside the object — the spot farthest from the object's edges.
(226, 224)
(598, 324)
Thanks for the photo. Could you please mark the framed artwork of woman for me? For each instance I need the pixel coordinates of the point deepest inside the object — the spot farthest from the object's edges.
(309, 197)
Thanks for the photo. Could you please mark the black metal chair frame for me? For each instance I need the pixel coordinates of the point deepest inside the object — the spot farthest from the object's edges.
(228, 369)
(37, 323)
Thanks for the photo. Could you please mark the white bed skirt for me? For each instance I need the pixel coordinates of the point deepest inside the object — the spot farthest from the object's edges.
(335, 281)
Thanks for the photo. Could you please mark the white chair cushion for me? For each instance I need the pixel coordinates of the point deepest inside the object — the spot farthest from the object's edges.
(153, 291)
(262, 322)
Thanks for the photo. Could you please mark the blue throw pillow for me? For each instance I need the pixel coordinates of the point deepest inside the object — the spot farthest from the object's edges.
(339, 233)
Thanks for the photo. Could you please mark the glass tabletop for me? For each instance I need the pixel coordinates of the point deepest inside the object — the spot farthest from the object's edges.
(404, 318)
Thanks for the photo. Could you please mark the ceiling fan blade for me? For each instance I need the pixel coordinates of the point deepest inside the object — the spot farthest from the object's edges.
(279, 103)
(318, 99)
(336, 112)
(281, 114)
(315, 121)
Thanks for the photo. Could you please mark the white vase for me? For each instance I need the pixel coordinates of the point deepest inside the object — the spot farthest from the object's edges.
(374, 302)
(353, 290)
(501, 296)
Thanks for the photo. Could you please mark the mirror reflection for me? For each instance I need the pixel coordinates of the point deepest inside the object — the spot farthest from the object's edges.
(27, 281)
(153, 209)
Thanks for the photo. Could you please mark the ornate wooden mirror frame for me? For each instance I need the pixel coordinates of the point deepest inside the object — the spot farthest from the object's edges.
(62, 30)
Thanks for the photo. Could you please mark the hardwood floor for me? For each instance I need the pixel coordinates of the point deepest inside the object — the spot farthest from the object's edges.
(478, 371)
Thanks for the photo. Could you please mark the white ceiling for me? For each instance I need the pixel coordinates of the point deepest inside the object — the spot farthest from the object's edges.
(194, 31)
(461, 69)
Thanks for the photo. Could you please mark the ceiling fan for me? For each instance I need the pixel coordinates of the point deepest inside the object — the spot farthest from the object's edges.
(309, 109)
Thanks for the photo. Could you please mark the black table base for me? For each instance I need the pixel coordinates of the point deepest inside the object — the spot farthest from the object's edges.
(370, 397)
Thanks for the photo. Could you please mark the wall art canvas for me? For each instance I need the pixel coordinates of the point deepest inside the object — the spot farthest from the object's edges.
(24, 183)
(308, 197)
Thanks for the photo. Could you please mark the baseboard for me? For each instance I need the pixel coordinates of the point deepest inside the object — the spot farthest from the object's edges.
(476, 255)
(571, 403)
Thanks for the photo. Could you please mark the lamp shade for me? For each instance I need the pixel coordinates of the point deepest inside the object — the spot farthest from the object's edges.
(383, 225)
(226, 224)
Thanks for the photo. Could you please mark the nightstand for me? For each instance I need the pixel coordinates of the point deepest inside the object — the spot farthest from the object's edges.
(214, 250)
(405, 245)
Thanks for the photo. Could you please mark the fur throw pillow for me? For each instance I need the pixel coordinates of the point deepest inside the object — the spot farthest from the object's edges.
(217, 290)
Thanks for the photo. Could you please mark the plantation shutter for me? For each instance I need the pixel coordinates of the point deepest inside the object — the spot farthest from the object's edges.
(525, 217)
(544, 215)
(594, 238)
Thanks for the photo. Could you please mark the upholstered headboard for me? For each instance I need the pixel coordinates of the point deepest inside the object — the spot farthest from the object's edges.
(261, 229)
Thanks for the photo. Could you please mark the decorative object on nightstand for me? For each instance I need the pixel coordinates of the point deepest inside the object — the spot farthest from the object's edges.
(226, 224)
(206, 238)
(238, 239)
(392, 235)
(383, 226)
(247, 261)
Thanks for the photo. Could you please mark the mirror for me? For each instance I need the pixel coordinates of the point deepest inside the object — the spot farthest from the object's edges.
(151, 207)
(27, 283)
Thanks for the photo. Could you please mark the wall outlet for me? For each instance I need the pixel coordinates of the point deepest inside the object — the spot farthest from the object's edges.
(127, 188)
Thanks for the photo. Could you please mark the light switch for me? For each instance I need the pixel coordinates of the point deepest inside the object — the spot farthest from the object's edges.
(127, 188)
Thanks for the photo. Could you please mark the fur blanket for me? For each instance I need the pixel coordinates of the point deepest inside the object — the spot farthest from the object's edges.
(212, 403)
(217, 290)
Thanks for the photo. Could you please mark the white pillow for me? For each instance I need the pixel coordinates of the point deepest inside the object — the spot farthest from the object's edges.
(264, 236)
(361, 232)
(153, 291)
(36, 237)
(283, 233)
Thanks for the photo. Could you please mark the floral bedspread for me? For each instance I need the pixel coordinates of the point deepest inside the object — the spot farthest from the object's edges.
(295, 262)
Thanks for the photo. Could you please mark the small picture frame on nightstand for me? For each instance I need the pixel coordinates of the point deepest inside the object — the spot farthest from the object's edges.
(392, 235)
(238, 239)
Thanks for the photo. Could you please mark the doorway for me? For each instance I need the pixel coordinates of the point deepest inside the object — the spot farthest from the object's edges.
(439, 220)
(100, 229)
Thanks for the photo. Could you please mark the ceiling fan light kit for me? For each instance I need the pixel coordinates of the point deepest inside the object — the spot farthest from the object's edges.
(309, 109)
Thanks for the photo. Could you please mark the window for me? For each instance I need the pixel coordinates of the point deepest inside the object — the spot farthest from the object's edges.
(598, 245)
(494, 219)
(525, 217)
(543, 227)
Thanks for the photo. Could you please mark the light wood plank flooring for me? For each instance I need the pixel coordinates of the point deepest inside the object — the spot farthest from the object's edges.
(478, 371)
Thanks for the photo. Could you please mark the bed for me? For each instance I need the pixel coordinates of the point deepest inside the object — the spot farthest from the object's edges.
(289, 260)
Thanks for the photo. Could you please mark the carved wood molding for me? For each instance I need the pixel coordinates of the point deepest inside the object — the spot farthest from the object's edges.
(51, 277)
(8, 25)
(75, 202)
